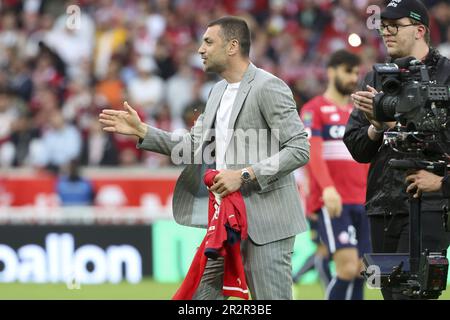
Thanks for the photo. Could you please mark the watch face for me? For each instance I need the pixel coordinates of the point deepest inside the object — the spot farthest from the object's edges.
(245, 175)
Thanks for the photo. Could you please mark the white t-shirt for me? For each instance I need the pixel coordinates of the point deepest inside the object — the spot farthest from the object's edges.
(222, 120)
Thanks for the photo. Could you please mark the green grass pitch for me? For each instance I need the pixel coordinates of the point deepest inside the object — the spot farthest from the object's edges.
(146, 290)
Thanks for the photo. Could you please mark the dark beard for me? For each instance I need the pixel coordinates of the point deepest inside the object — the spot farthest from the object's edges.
(344, 90)
(218, 69)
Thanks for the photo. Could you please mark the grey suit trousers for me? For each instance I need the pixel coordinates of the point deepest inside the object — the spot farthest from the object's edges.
(267, 268)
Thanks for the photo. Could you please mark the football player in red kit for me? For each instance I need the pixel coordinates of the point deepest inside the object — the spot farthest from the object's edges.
(337, 182)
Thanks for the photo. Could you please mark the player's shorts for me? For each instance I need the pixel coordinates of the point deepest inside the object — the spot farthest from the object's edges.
(350, 230)
(314, 231)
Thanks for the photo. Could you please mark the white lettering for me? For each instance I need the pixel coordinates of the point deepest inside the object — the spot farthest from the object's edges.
(60, 262)
(33, 264)
(95, 255)
(127, 256)
(10, 264)
(337, 132)
(52, 246)
(67, 248)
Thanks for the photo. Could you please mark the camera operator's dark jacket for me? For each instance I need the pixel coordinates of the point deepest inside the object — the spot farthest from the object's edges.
(386, 188)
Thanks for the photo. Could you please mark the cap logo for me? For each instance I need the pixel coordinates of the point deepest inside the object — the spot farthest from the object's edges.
(394, 3)
(415, 16)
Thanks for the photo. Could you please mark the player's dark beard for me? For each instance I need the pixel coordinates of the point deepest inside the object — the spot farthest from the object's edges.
(343, 89)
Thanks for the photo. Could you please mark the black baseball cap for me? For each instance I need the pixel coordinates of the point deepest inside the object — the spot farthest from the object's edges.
(414, 9)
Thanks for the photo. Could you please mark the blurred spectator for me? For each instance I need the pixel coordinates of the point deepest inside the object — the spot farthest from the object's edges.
(11, 36)
(180, 91)
(112, 87)
(137, 49)
(30, 15)
(49, 69)
(444, 48)
(148, 28)
(143, 42)
(61, 143)
(127, 156)
(110, 39)
(162, 121)
(78, 100)
(72, 188)
(192, 112)
(146, 91)
(99, 148)
(164, 59)
(71, 46)
(37, 35)
(17, 151)
(20, 79)
(44, 102)
(74, 43)
(8, 113)
(440, 20)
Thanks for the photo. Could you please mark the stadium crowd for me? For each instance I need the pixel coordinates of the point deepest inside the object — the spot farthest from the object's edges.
(61, 64)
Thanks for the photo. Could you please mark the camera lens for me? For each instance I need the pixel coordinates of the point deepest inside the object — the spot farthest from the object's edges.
(391, 86)
(384, 107)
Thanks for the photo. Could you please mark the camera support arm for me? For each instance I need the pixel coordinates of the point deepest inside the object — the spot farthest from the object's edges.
(415, 234)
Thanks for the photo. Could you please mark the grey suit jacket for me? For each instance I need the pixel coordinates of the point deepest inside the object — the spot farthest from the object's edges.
(264, 107)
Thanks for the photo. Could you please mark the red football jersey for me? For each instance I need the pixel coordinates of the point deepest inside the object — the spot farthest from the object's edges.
(331, 164)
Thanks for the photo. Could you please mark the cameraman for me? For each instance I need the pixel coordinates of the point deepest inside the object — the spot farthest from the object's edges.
(405, 31)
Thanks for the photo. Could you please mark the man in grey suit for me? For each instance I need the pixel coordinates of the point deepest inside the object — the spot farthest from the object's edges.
(248, 104)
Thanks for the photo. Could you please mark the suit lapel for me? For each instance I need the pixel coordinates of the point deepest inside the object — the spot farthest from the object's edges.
(244, 89)
(214, 103)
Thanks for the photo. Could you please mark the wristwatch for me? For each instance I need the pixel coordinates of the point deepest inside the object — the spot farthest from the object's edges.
(245, 176)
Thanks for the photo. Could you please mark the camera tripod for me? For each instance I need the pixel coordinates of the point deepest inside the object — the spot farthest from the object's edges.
(419, 274)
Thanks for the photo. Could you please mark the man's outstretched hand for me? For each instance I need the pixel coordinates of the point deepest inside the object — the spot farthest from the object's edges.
(124, 121)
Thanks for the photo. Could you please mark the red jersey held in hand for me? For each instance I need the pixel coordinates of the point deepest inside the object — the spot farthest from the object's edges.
(227, 225)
